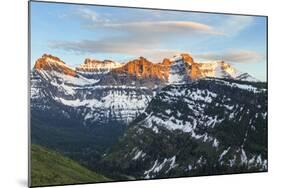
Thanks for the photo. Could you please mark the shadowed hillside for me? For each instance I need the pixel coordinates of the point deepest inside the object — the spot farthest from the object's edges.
(51, 168)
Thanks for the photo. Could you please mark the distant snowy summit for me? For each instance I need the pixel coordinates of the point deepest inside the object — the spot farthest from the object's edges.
(220, 69)
(214, 69)
(96, 66)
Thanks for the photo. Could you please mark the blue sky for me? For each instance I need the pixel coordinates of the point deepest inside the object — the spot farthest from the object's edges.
(75, 32)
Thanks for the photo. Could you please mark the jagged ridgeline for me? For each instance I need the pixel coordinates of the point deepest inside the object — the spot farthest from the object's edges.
(142, 119)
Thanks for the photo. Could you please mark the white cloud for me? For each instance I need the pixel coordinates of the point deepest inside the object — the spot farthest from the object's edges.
(147, 37)
(233, 56)
(91, 16)
(161, 27)
(144, 38)
(233, 25)
(87, 46)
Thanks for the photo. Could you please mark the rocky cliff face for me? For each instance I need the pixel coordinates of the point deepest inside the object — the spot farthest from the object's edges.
(142, 68)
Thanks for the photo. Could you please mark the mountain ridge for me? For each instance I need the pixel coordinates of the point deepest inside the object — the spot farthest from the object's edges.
(49, 62)
(122, 93)
(143, 68)
(205, 127)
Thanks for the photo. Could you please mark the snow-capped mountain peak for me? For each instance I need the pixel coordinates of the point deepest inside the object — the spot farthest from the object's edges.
(95, 66)
(53, 64)
(178, 73)
(220, 69)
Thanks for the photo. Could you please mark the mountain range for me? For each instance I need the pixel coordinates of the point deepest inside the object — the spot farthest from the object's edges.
(143, 119)
(112, 87)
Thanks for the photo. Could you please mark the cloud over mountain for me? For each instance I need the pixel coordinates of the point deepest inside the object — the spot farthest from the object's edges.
(235, 56)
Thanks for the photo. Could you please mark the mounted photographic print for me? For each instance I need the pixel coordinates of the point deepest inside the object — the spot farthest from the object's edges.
(122, 94)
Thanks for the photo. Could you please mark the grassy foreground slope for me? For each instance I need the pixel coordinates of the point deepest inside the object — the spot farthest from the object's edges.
(51, 168)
